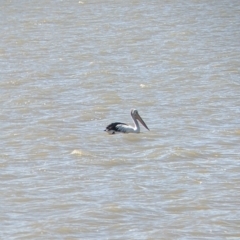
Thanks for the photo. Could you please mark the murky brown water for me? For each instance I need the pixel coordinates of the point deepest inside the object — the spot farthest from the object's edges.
(70, 68)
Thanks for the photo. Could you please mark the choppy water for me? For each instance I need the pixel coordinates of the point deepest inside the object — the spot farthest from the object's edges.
(70, 68)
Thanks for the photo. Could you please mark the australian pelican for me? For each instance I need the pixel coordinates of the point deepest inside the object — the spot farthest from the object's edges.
(118, 127)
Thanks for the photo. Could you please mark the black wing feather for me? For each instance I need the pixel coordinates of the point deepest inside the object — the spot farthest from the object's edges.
(113, 126)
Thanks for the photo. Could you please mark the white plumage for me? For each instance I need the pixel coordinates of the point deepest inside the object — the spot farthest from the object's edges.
(118, 127)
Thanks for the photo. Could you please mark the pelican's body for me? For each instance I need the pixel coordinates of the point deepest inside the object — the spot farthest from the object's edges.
(118, 127)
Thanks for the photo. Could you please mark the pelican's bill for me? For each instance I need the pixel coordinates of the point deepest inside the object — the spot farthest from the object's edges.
(142, 122)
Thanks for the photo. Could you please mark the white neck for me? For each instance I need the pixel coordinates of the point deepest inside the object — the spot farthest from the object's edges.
(136, 127)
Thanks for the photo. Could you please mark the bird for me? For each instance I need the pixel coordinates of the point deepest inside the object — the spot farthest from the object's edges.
(118, 127)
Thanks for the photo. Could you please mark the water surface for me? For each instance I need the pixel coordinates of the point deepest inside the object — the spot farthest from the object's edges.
(70, 68)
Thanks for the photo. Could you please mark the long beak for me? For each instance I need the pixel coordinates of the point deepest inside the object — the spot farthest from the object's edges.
(142, 122)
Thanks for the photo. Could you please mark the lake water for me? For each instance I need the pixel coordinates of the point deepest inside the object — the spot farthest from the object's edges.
(70, 68)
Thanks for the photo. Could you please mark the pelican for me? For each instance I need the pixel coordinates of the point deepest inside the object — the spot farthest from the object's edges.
(118, 127)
